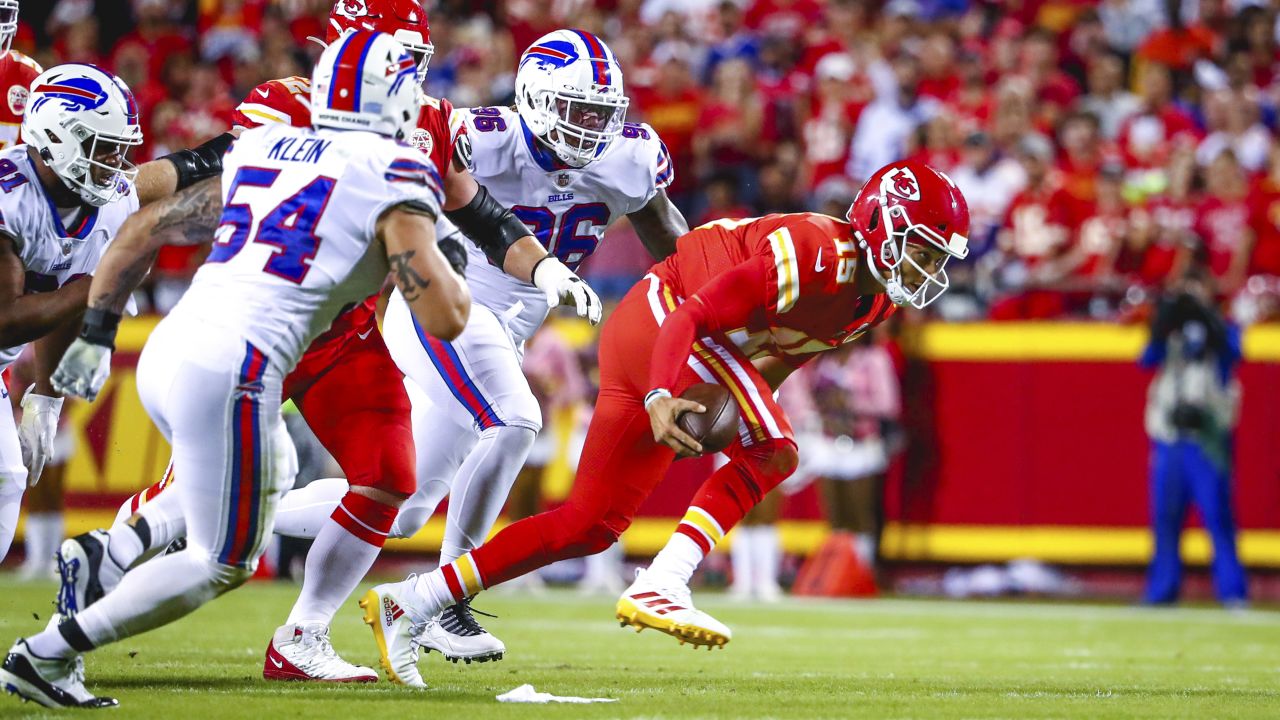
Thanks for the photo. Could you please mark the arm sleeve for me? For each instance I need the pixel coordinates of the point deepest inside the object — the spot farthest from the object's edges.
(728, 301)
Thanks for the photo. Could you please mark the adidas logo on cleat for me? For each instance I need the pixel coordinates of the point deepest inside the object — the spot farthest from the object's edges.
(391, 612)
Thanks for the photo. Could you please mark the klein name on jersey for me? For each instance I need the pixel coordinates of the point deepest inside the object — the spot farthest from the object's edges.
(306, 150)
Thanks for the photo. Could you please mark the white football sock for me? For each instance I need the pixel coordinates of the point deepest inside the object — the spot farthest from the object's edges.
(741, 552)
(865, 545)
(40, 541)
(303, 512)
(481, 486)
(766, 559)
(10, 506)
(426, 595)
(158, 592)
(678, 559)
(604, 569)
(336, 564)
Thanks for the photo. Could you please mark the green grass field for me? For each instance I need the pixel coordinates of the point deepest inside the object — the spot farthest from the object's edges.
(882, 659)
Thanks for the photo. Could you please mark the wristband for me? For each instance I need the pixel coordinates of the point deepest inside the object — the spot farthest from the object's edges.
(654, 395)
(100, 327)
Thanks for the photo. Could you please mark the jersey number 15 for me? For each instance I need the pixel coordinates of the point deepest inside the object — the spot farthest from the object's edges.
(290, 227)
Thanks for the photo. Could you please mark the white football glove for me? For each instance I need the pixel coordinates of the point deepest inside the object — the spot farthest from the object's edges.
(35, 432)
(562, 286)
(83, 371)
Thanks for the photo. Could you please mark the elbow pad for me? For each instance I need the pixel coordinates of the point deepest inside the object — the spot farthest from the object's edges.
(200, 162)
(492, 227)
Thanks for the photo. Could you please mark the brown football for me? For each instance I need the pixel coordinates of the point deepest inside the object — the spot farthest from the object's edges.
(716, 428)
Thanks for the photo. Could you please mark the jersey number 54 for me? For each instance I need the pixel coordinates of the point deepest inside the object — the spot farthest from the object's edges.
(290, 227)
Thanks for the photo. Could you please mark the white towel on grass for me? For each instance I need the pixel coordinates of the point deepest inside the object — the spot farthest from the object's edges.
(527, 694)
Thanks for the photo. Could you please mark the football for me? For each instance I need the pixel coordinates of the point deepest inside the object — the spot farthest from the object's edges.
(716, 428)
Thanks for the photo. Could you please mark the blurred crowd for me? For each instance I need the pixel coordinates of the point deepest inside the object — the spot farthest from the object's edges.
(1104, 145)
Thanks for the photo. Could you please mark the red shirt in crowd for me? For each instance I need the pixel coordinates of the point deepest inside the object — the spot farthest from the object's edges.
(1264, 220)
(1222, 225)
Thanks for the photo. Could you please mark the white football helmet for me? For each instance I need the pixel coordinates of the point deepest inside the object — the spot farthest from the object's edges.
(78, 114)
(569, 94)
(366, 81)
(8, 24)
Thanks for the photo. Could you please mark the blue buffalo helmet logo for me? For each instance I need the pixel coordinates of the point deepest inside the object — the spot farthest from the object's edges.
(551, 54)
(75, 93)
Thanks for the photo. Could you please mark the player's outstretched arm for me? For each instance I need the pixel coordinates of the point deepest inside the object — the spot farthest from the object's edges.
(27, 317)
(509, 245)
(659, 224)
(166, 175)
(186, 218)
(436, 294)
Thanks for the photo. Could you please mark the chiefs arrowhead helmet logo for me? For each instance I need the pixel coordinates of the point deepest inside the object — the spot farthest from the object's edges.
(352, 8)
(901, 182)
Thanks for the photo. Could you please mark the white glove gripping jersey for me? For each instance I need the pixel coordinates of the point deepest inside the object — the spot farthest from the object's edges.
(51, 253)
(567, 208)
(296, 240)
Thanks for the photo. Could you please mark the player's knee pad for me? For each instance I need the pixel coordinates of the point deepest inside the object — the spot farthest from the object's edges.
(521, 410)
(772, 461)
(13, 482)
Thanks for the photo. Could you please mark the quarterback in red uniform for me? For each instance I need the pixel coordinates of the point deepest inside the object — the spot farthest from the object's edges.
(346, 386)
(16, 73)
(742, 304)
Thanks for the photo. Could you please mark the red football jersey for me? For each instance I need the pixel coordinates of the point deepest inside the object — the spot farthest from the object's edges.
(806, 301)
(288, 100)
(16, 73)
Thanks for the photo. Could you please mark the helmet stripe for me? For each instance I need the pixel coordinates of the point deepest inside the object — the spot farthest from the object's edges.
(599, 59)
(348, 72)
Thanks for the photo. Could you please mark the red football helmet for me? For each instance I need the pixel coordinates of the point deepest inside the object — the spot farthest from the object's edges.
(405, 20)
(910, 203)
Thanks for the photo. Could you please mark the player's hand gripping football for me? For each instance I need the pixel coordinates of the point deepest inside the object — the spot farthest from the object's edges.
(664, 411)
(562, 286)
(83, 370)
(36, 431)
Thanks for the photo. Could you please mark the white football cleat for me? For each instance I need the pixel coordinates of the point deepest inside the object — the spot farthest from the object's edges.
(393, 631)
(457, 635)
(86, 570)
(655, 602)
(51, 683)
(298, 652)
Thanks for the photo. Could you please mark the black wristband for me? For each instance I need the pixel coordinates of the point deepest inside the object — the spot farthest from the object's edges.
(492, 227)
(452, 249)
(100, 327)
(200, 162)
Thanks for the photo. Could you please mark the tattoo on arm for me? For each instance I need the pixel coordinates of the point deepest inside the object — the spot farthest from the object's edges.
(411, 284)
(122, 283)
(190, 216)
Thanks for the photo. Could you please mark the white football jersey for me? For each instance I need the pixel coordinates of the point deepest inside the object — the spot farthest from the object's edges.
(567, 208)
(296, 240)
(55, 246)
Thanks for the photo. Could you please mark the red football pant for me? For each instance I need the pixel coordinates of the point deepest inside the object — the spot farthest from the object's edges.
(621, 463)
(353, 399)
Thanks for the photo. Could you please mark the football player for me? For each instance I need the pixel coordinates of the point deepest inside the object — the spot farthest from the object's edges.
(570, 166)
(62, 198)
(16, 73)
(368, 432)
(313, 220)
(742, 304)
